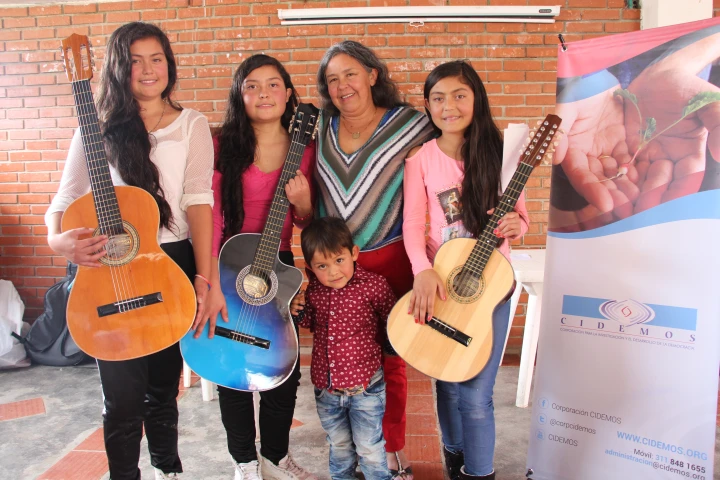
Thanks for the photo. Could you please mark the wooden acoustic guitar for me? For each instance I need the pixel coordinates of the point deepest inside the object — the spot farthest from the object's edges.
(455, 344)
(258, 349)
(139, 301)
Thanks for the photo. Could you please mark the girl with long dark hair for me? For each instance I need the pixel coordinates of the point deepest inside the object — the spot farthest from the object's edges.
(456, 179)
(155, 144)
(250, 151)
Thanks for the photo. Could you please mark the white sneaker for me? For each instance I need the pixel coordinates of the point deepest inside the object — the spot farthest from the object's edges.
(159, 475)
(248, 471)
(287, 469)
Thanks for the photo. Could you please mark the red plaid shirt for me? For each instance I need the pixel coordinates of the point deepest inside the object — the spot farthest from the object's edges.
(345, 324)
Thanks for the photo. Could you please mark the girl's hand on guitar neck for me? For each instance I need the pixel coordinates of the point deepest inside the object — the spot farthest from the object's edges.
(84, 252)
(422, 301)
(297, 191)
(509, 226)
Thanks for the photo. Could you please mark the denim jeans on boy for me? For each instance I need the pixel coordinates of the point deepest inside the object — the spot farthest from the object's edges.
(354, 429)
(465, 410)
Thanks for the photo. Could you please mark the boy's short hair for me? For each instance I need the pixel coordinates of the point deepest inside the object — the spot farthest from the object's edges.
(328, 235)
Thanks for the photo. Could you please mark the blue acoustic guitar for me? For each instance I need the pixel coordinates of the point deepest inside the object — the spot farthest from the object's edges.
(257, 349)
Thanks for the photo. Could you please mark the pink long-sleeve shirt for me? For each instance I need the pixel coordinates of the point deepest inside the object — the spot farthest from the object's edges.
(432, 184)
(258, 191)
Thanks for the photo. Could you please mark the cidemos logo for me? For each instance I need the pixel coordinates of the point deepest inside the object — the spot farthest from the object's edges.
(627, 312)
(629, 319)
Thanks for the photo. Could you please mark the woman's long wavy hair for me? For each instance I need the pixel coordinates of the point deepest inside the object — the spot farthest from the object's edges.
(124, 132)
(384, 93)
(481, 152)
(238, 141)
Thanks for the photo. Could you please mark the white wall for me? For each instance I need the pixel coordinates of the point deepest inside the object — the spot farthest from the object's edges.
(661, 13)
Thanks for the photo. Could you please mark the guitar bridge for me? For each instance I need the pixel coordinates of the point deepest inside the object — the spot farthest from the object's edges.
(242, 337)
(450, 332)
(129, 304)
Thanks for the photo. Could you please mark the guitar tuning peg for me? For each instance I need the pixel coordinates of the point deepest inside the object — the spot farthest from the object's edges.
(538, 122)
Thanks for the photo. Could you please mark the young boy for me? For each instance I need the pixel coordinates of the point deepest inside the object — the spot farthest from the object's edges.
(344, 308)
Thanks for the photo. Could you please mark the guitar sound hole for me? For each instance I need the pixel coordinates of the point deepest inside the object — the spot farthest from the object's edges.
(122, 247)
(255, 286)
(119, 246)
(464, 286)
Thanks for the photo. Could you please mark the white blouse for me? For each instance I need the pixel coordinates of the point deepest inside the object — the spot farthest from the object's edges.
(183, 154)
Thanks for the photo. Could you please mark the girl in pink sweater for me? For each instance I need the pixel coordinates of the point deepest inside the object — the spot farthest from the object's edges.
(250, 153)
(456, 179)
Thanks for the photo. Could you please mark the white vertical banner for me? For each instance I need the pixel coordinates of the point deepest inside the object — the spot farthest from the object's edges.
(626, 383)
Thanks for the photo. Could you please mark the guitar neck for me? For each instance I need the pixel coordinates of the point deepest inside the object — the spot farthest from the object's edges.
(270, 241)
(487, 242)
(106, 204)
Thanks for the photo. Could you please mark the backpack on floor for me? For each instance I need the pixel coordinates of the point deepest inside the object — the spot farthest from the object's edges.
(49, 342)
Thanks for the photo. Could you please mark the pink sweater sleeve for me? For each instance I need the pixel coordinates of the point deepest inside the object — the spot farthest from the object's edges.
(414, 214)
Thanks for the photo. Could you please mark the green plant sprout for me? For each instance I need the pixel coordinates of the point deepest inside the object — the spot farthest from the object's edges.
(648, 134)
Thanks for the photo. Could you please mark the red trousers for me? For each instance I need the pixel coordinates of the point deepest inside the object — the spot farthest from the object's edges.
(392, 263)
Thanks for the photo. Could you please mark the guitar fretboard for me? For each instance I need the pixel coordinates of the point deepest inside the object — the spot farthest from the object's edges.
(269, 245)
(106, 205)
(487, 242)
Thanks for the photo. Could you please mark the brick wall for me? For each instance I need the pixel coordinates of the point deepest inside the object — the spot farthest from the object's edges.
(210, 38)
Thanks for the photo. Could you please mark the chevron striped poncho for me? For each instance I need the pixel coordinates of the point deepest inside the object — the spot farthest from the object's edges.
(365, 188)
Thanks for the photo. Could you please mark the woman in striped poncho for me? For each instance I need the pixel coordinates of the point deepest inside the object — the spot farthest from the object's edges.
(365, 133)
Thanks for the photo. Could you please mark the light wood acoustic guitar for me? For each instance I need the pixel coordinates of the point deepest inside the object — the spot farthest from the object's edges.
(455, 344)
(139, 301)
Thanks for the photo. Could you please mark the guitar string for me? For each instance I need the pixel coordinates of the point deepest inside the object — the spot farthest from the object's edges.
(247, 311)
(276, 220)
(516, 185)
(108, 207)
(247, 314)
(487, 242)
(123, 274)
(84, 111)
(296, 149)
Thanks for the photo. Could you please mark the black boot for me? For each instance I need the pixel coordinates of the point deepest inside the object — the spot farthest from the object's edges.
(453, 463)
(465, 476)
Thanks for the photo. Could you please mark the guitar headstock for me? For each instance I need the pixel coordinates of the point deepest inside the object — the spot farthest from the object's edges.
(304, 123)
(77, 56)
(540, 144)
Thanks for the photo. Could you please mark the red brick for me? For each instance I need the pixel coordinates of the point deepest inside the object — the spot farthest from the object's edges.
(45, 10)
(587, 3)
(622, 27)
(407, 40)
(234, 10)
(19, 22)
(20, 46)
(122, 17)
(13, 12)
(154, 15)
(148, 4)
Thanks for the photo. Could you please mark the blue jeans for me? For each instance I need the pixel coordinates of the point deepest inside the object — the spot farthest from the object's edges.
(354, 429)
(465, 410)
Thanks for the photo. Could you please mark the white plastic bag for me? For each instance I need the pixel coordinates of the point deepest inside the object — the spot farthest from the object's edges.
(12, 352)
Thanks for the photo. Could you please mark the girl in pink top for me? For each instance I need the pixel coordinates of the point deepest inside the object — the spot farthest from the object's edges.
(456, 179)
(250, 152)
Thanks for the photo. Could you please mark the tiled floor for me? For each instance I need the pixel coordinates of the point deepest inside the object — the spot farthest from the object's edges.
(87, 460)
